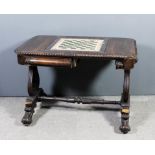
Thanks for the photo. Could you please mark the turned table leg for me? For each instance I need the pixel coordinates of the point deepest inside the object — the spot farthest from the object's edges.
(125, 103)
(34, 92)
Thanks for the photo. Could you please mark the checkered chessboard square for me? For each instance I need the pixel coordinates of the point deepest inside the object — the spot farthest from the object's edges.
(77, 44)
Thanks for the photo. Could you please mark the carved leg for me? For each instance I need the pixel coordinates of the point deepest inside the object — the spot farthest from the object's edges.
(29, 110)
(34, 92)
(125, 103)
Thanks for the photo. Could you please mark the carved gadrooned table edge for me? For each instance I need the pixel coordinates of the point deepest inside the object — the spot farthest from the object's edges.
(37, 52)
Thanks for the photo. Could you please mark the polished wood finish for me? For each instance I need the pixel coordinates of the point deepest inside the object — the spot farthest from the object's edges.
(125, 103)
(122, 49)
(36, 52)
(46, 61)
(78, 99)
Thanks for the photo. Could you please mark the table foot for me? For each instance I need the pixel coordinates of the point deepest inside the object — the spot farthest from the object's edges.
(29, 110)
(125, 128)
(27, 118)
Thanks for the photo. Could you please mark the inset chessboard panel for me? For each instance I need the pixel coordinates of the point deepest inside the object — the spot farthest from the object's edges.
(77, 44)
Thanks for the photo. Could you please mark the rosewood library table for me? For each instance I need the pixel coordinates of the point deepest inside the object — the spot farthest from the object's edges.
(65, 51)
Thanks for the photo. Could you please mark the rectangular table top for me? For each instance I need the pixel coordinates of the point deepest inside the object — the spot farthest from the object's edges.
(77, 46)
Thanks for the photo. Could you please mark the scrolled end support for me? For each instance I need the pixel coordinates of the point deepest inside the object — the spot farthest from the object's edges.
(126, 64)
(34, 92)
(125, 103)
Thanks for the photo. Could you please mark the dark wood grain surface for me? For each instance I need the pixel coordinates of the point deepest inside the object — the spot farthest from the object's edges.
(113, 48)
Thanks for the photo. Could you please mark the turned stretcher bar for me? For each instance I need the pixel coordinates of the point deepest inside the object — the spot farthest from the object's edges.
(83, 100)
